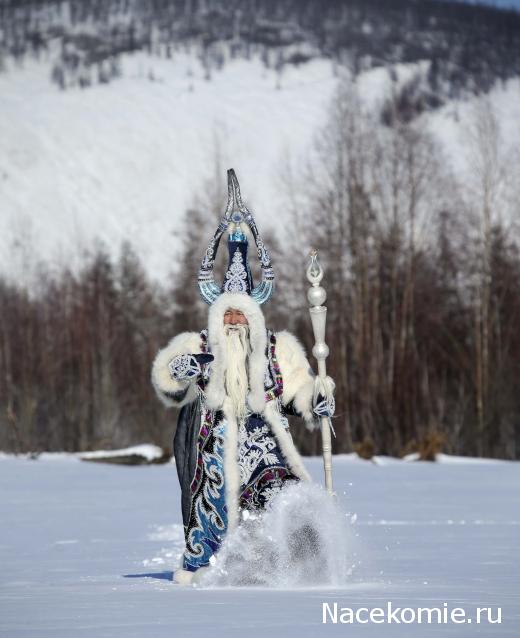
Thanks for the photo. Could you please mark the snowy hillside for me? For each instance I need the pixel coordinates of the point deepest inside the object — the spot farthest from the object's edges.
(123, 161)
(89, 550)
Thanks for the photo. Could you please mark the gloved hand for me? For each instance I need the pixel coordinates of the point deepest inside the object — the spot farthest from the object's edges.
(324, 407)
(187, 366)
(324, 404)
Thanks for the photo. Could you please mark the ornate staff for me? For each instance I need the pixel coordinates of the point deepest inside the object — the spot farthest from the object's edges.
(316, 296)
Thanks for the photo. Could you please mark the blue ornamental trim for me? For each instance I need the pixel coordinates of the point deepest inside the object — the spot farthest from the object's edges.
(236, 276)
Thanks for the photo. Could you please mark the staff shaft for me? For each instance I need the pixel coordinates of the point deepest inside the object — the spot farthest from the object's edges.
(318, 312)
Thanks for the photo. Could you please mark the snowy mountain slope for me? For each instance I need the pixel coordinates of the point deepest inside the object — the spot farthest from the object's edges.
(450, 125)
(89, 551)
(123, 161)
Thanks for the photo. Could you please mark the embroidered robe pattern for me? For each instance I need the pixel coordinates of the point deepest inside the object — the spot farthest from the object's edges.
(262, 466)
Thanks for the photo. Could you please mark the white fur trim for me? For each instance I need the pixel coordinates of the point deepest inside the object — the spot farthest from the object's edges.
(298, 377)
(257, 360)
(186, 342)
(284, 438)
(231, 470)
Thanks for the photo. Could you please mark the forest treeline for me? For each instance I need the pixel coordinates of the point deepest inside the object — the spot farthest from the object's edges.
(422, 275)
(469, 46)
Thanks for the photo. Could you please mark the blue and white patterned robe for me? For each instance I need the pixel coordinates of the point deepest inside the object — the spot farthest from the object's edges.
(225, 466)
(262, 467)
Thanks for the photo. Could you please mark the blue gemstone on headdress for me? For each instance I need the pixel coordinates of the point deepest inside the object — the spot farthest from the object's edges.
(237, 235)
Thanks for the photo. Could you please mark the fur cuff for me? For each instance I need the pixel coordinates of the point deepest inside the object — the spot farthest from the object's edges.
(165, 387)
(303, 402)
(298, 377)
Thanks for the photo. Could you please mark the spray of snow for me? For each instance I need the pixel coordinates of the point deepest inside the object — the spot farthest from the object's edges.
(300, 540)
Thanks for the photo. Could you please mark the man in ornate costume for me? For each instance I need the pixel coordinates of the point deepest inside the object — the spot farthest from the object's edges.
(235, 383)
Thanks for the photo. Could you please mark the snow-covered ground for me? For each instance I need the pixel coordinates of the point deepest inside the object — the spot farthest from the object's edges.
(88, 549)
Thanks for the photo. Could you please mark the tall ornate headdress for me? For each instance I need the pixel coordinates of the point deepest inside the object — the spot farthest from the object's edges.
(238, 278)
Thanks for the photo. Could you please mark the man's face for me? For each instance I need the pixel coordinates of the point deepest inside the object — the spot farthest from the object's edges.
(236, 352)
(234, 317)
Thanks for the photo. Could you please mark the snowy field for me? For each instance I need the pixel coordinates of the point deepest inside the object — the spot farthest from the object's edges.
(88, 549)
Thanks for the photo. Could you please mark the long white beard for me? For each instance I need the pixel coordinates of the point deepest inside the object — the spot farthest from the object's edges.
(235, 374)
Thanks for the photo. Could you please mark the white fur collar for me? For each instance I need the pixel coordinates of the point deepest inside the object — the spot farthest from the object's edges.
(215, 393)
